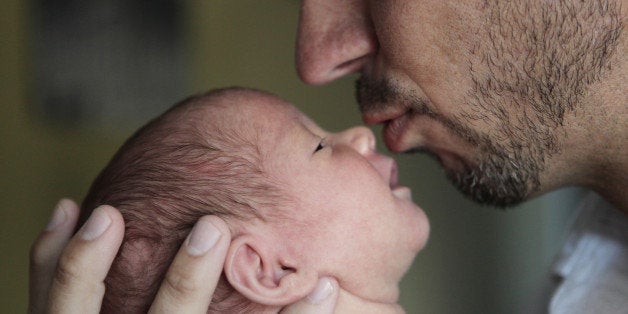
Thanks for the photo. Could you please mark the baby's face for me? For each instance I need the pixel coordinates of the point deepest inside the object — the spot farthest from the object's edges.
(351, 220)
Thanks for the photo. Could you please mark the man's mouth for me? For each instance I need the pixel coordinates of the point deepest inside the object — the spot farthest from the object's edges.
(395, 123)
(393, 133)
(384, 115)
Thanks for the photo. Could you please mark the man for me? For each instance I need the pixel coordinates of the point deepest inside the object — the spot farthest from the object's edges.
(514, 98)
(498, 91)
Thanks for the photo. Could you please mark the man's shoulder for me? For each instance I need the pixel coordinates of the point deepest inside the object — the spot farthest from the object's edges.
(592, 268)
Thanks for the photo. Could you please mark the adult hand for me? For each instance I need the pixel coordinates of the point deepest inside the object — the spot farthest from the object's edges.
(322, 300)
(67, 273)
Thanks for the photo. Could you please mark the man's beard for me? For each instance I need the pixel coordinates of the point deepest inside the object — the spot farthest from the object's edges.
(522, 98)
(495, 179)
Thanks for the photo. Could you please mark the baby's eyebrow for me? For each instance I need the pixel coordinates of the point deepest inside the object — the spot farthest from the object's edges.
(312, 126)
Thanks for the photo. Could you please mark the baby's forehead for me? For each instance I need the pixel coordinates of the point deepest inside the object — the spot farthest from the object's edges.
(254, 125)
(244, 96)
(242, 120)
(248, 109)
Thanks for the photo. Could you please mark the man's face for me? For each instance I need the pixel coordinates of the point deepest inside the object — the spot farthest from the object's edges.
(483, 86)
(348, 218)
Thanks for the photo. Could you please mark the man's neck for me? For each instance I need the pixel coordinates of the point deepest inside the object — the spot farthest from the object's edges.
(602, 129)
(612, 181)
(617, 194)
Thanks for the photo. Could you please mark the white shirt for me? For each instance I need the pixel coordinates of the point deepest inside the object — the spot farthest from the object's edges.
(592, 268)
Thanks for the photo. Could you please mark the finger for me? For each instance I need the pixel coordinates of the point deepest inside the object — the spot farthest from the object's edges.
(46, 250)
(78, 282)
(190, 282)
(322, 300)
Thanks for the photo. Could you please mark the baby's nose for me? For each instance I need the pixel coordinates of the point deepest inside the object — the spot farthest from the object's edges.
(359, 138)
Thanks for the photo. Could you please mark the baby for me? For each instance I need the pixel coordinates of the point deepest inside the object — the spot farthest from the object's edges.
(300, 202)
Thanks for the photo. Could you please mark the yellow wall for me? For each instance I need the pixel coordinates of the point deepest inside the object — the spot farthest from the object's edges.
(479, 260)
(38, 163)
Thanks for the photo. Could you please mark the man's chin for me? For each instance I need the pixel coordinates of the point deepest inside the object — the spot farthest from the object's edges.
(484, 191)
(499, 190)
(449, 162)
(425, 151)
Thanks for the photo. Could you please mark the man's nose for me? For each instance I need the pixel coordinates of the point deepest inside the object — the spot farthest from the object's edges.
(359, 138)
(334, 38)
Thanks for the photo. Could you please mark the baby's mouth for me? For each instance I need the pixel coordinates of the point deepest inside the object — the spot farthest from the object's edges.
(394, 175)
(402, 192)
(386, 167)
(389, 171)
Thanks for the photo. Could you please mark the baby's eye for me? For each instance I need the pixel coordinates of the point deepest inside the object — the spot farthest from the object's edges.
(319, 147)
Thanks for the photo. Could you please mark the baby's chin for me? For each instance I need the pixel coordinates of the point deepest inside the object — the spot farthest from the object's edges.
(373, 289)
(382, 285)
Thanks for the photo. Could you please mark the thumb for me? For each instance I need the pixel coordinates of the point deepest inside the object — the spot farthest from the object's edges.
(322, 300)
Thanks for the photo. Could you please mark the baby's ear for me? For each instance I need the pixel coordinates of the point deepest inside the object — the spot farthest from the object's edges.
(254, 269)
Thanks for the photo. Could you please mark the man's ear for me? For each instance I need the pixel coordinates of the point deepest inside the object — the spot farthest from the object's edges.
(256, 271)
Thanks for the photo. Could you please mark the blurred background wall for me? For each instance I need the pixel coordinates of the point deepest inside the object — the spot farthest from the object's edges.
(77, 77)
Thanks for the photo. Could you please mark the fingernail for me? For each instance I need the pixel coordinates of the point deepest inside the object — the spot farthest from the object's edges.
(97, 223)
(58, 215)
(202, 238)
(323, 290)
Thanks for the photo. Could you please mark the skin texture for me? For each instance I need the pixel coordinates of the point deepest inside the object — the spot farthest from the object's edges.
(454, 56)
(67, 273)
(333, 180)
(497, 91)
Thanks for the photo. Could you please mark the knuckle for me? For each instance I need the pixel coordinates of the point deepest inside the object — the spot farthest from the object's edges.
(180, 284)
(68, 270)
(42, 254)
(37, 256)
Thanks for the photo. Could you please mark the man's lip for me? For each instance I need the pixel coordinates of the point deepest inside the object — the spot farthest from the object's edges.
(393, 133)
(381, 117)
(394, 126)
(383, 112)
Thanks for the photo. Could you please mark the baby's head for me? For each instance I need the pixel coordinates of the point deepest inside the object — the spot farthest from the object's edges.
(300, 202)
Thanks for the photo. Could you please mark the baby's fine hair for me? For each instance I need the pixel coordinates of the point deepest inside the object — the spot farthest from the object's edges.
(171, 172)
